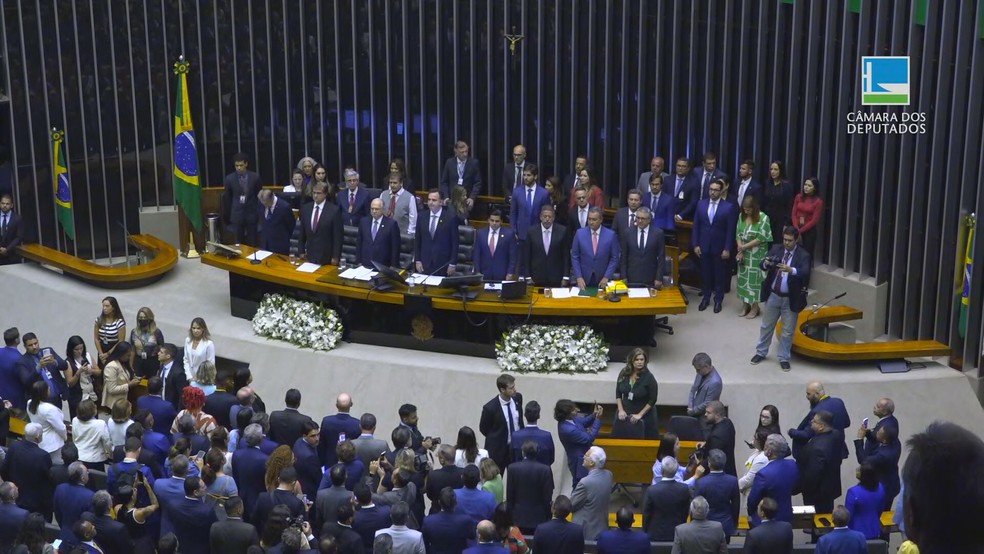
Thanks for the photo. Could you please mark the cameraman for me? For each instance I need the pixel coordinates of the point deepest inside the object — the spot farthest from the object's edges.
(783, 294)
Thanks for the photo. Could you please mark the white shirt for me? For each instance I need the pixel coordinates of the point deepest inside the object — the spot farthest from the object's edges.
(459, 458)
(741, 190)
(92, 439)
(165, 371)
(412, 226)
(643, 232)
(53, 431)
(193, 357)
(117, 431)
(319, 210)
(509, 411)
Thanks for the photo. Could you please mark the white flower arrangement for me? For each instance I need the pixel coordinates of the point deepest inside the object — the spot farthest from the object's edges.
(305, 324)
(552, 349)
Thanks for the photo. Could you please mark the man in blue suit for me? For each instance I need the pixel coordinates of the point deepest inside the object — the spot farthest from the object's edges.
(276, 222)
(463, 171)
(559, 536)
(745, 186)
(354, 200)
(819, 401)
(494, 252)
(307, 462)
(474, 502)
(713, 239)
(721, 492)
(71, 499)
(11, 515)
(524, 207)
(594, 253)
(532, 432)
(11, 387)
(161, 409)
(842, 540)
(336, 429)
(529, 489)
(171, 490)
(489, 542)
(447, 532)
(771, 536)
(240, 208)
(43, 364)
(379, 238)
(28, 465)
(623, 540)
(884, 410)
(776, 481)
(192, 518)
(370, 517)
(707, 174)
(577, 434)
(685, 189)
(436, 244)
(249, 467)
(661, 204)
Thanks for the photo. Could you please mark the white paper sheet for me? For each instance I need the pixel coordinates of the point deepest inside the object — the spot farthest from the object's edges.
(359, 273)
(260, 255)
(561, 292)
(639, 293)
(308, 267)
(423, 279)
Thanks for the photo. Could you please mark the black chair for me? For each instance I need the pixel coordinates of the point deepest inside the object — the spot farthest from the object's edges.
(466, 245)
(686, 428)
(350, 244)
(97, 480)
(670, 277)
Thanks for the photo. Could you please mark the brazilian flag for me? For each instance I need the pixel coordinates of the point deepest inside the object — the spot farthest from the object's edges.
(187, 190)
(63, 189)
(967, 272)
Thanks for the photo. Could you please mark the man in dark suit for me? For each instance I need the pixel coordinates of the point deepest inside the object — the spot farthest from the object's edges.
(643, 252)
(783, 294)
(666, 504)
(463, 171)
(819, 400)
(713, 240)
(70, 500)
(771, 536)
(321, 228)
(306, 459)
(172, 375)
(708, 173)
(447, 475)
(884, 459)
(494, 252)
(559, 536)
(700, 534)
(114, 538)
(512, 174)
(661, 204)
(369, 518)
(354, 200)
(594, 253)
(577, 216)
(340, 527)
(28, 465)
(11, 387)
(219, 404)
(496, 425)
(276, 222)
(43, 364)
(746, 185)
(379, 238)
(884, 410)
(623, 540)
(545, 256)
(336, 429)
(445, 531)
(153, 402)
(171, 489)
(625, 217)
(721, 492)
(529, 489)
(820, 462)
(685, 189)
(144, 456)
(776, 481)
(720, 434)
(532, 432)
(842, 540)
(11, 515)
(437, 237)
(240, 204)
(10, 231)
(572, 181)
(232, 534)
(192, 518)
(285, 425)
(249, 467)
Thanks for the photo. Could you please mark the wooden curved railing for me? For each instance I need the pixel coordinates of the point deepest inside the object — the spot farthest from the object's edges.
(163, 258)
(812, 348)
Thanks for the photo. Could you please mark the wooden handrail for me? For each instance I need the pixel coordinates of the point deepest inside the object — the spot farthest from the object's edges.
(163, 258)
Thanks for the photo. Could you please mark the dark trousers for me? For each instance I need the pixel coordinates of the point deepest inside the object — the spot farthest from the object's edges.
(714, 275)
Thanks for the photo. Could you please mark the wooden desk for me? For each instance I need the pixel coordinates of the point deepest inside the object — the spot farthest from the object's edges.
(162, 256)
(631, 461)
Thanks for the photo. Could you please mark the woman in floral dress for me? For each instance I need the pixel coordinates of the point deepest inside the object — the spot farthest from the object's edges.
(754, 235)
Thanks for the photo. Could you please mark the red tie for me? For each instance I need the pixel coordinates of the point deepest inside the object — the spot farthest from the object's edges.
(594, 242)
(392, 208)
(351, 201)
(317, 215)
(492, 242)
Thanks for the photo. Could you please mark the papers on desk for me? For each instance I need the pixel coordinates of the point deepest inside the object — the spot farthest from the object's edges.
(563, 292)
(308, 267)
(424, 279)
(493, 287)
(359, 273)
(260, 255)
(640, 292)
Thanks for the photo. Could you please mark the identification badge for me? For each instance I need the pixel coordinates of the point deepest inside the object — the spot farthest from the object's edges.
(242, 198)
(460, 181)
(681, 195)
(350, 209)
(631, 395)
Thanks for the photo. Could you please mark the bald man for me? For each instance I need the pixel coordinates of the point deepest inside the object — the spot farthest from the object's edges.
(379, 238)
(820, 401)
(337, 428)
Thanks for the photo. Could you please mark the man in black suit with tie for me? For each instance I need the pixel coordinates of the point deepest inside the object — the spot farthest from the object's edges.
(820, 463)
(771, 536)
(559, 536)
(285, 425)
(232, 534)
(448, 475)
(321, 228)
(192, 518)
(545, 255)
(379, 238)
(10, 231)
(512, 174)
(28, 465)
(708, 173)
(461, 170)
(172, 374)
(436, 244)
(577, 217)
(625, 217)
(746, 185)
(240, 205)
(501, 417)
(644, 252)
(529, 489)
(571, 181)
(276, 222)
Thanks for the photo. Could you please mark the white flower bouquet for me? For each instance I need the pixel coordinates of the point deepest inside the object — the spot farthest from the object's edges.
(305, 324)
(552, 349)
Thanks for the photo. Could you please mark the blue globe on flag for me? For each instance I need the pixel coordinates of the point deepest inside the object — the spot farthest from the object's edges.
(185, 157)
(64, 194)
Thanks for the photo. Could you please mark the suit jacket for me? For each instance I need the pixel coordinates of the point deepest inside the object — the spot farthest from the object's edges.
(703, 391)
(842, 541)
(494, 267)
(328, 501)
(308, 467)
(589, 502)
(352, 215)
(241, 212)
(529, 490)
(819, 463)
(276, 230)
(69, 503)
(385, 248)
(574, 222)
(159, 445)
(713, 237)
(471, 179)
(587, 263)
(754, 190)
(249, 472)
(643, 183)
(546, 268)
(699, 536)
(446, 476)
(11, 518)
(11, 239)
(686, 193)
(522, 215)
(162, 410)
(440, 249)
(617, 541)
(776, 480)
(285, 426)
(146, 457)
(11, 386)
(323, 244)
(114, 538)
(174, 383)
(232, 535)
(770, 537)
(722, 437)
(665, 505)
(30, 373)
(406, 205)
(721, 492)
(870, 442)
(218, 405)
(643, 265)
(797, 284)
(494, 426)
(559, 536)
(705, 184)
(663, 210)
(169, 491)
(803, 433)
(543, 439)
(477, 504)
(510, 180)
(333, 428)
(577, 436)
(192, 520)
(349, 542)
(368, 521)
(27, 463)
(621, 224)
(487, 548)
(447, 532)
(885, 461)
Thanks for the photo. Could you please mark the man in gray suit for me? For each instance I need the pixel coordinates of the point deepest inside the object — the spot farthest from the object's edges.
(330, 498)
(706, 388)
(700, 536)
(656, 166)
(367, 446)
(399, 204)
(405, 540)
(590, 497)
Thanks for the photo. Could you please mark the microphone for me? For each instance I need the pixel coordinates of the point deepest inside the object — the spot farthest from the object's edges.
(432, 273)
(816, 308)
(254, 261)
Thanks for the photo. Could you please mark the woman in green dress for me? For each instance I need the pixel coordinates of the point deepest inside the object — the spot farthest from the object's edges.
(754, 234)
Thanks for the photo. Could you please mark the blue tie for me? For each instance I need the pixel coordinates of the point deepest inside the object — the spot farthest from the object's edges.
(529, 196)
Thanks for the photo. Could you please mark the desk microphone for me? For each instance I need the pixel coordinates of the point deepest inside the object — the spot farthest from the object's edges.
(432, 273)
(817, 308)
(254, 261)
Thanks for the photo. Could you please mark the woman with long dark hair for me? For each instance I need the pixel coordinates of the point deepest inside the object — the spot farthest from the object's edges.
(636, 391)
(134, 518)
(669, 445)
(807, 212)
(510, 535)
(50, 418)
(769, 420)
(466, 450)
(221, 487)
(109, 329)
(79, 375)
(118, 375)
(865, 501)
(777, 199)
(31, 535)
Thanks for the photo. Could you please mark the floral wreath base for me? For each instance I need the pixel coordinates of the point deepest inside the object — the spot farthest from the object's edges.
(305, 324)
(552, 349)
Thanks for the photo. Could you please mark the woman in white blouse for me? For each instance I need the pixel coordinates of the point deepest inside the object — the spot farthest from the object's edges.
(91, 437)
(50, 418)
(755, 462)
(466, 450)
(198, 347)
